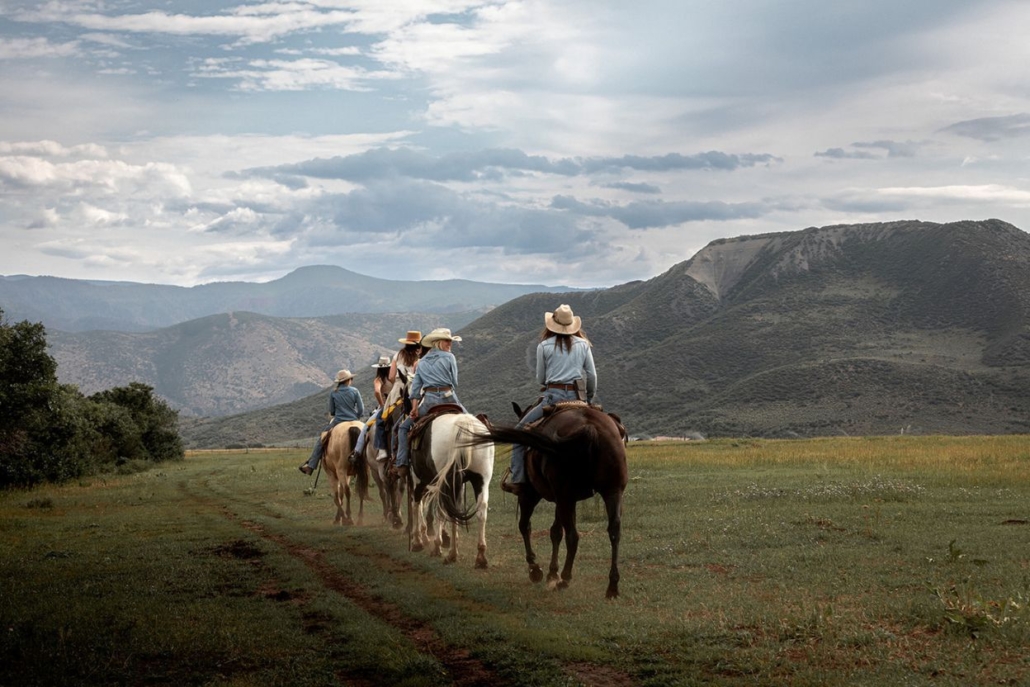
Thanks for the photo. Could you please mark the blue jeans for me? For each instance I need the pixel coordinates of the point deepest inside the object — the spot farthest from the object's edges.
(359, 447)
(518, 451)
(432, 398)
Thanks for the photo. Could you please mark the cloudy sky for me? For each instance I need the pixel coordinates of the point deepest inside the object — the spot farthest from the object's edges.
(576, 142)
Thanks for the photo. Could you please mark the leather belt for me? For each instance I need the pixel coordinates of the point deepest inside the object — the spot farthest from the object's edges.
(566, 387)
(436, 388)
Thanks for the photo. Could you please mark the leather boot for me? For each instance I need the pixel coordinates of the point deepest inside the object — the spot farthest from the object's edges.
(511, 487)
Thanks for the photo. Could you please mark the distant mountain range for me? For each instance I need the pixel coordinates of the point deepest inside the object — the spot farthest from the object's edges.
(855, 329)
(75, 305)
(239, 361)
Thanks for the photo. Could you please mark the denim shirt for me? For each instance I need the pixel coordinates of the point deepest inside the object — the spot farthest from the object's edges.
(558, 366)
(437, 368)
(345, 404)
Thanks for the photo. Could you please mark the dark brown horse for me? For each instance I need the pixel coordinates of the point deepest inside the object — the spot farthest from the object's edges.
(574, 452)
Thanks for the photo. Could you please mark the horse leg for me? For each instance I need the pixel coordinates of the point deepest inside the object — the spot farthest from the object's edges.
(527, 503)
(568, 517)
(396, 490)
(481, 509)
(346, 493)
(334, 487)
(435, 523)
(452, 555)
(613, 504)
(418, 533)
(556, 537)
(361, 510)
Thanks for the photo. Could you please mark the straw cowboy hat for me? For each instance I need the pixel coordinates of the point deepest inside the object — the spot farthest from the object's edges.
(384, 361)
(562, 321)
(439, 334)
(343, 375)
(413, 337)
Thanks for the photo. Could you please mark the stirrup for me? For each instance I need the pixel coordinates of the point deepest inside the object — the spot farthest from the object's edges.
(508, 486)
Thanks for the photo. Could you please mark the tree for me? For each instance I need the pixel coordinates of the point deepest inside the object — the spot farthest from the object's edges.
(156, 423)
(51, 432)
(30, 448)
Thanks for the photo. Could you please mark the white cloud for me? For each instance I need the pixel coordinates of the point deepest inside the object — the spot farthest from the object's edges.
(30, 48)
(291, 75)
(990, 194)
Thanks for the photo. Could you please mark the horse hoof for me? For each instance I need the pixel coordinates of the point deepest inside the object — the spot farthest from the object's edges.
(417, 547)
(612, 593)
(481, 564)
(535, 574)
(562, 584)
(450, 559)
(552, 577)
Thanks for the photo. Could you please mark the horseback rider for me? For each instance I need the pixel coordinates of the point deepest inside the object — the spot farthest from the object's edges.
(563, 359)
(381, 387)
(402, 365)
(435, 381)
(345, 404)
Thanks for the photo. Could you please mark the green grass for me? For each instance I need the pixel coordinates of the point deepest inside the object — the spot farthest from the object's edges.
(900, 560)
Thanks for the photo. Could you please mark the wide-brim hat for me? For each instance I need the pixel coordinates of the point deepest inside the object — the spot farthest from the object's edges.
(414, 336)
(439, 334)
(384, 361)
(562, 321)
(343, 375)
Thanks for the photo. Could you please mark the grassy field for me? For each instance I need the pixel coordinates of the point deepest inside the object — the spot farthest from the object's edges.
(871, 561)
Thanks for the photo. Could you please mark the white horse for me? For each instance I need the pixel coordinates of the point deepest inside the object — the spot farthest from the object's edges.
(438, 487)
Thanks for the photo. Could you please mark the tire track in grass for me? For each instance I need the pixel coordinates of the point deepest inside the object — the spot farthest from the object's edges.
(463, 669)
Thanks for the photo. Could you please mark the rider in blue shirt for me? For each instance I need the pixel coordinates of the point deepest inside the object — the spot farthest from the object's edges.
(563, 357)
(435, 381)
(344, 405)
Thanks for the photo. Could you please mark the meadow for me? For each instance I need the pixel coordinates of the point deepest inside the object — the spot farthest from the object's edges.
(843, 561)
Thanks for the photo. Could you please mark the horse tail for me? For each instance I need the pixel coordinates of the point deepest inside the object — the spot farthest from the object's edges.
(360, 468)
(447, 489)
(530, 438)
(583, 439)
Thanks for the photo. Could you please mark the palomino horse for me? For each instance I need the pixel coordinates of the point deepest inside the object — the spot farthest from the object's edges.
(439, 476)
(342, 439)
(572, 453)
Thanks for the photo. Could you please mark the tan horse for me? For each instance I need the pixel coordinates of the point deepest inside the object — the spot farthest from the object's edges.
(342, 439)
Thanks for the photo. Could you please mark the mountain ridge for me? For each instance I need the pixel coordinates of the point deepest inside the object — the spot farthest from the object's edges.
(74, 305)
(878, 328)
